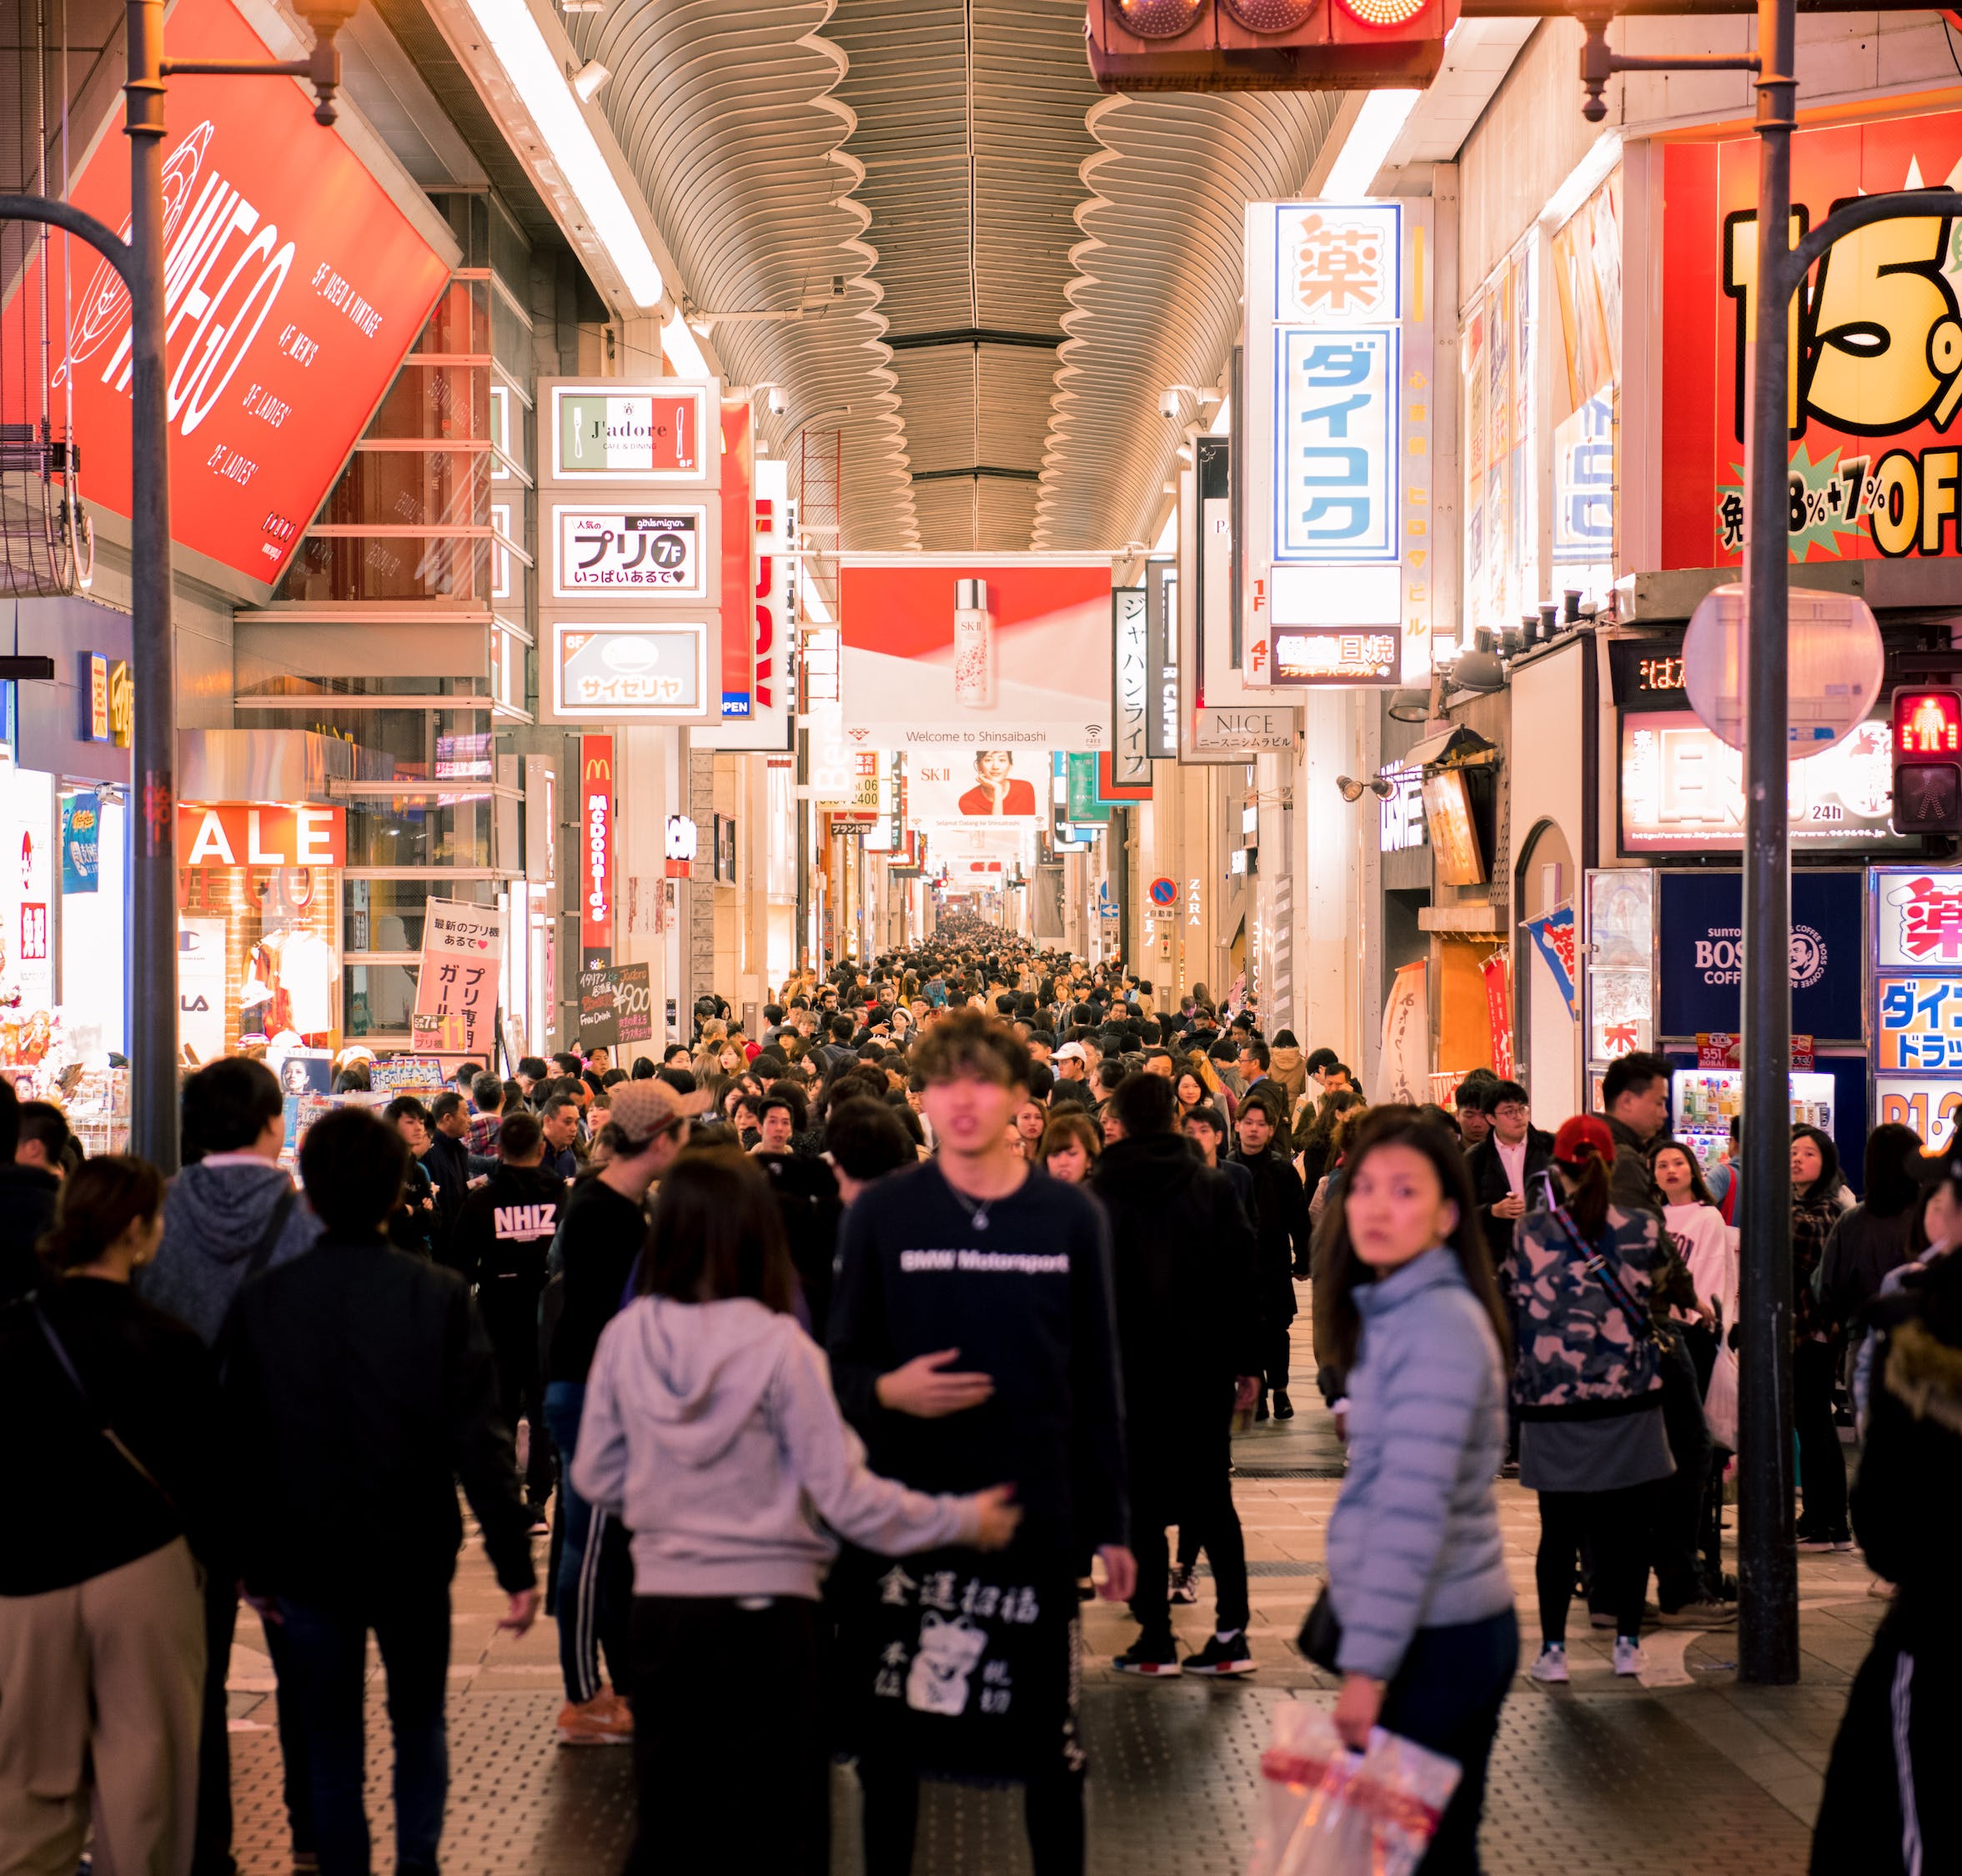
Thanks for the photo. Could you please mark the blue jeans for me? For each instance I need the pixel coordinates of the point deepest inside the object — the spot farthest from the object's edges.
(327, 1650)
(1446, 1696)
(594, 1582)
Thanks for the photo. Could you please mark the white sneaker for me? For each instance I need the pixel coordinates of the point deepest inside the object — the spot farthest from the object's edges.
(1628, 1658)
(1551, 1667)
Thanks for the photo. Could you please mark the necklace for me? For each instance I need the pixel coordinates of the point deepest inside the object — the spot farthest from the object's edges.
(979, 1217)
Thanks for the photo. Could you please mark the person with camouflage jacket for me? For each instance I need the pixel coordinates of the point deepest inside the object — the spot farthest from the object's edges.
(1588, 1383)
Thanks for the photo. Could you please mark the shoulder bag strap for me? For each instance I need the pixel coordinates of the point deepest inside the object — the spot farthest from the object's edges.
(1640, 1322)
(59, 1350)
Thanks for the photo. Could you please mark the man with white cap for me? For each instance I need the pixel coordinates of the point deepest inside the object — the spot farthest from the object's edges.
(604, 1229)
(1072, 1062)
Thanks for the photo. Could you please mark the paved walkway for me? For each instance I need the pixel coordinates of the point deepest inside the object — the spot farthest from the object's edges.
(1685, 1773)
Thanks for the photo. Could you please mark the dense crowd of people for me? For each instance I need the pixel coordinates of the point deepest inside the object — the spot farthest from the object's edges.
(844, 1360)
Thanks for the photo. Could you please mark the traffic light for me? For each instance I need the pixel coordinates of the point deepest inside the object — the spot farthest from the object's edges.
(1267, 45)
(1927, 760)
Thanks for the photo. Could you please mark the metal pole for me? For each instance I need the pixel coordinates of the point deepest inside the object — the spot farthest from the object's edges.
(1767, 1581)
(151, 972)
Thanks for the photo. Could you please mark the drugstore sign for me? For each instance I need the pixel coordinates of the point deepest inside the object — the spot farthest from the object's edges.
(293, 288)
(1875, 447)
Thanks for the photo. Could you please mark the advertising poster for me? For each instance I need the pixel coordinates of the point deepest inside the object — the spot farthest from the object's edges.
(634, 550)
(1877, 371)
(989, 784)
(615, 1005)
(947, 654)
(1403, 1075)
(295, 288)
(1700, 967)
(82, 817)
(456, 988)
(201, 988)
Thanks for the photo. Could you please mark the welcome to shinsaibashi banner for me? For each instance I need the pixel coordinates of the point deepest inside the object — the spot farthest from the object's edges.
(456, 990)
(1877, 363)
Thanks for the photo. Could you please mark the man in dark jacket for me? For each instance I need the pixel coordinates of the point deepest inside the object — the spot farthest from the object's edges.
(231, 1214)
(360, 1387)
(1505, 1165)
(1281, 1225)
(26, 1205)
(504, 1235)
(1188, 1342)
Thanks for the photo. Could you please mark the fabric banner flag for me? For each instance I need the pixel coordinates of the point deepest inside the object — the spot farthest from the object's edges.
(1553, 937)
(1497, 971)
(456, 990)
(1403, 1074)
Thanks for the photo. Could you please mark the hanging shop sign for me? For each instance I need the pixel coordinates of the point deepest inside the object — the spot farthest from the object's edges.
(456, 988)
(1400, 813)
(773, 632)
(294, 288)
(95, 697)
(1681, 789)
(1553, 937)
(1130, 754)
(601, 430)
(1876, 381)
(1162, 633)
(1313, 655)
(668, 552)
(1700, 955)
(81, 820)
(1497, 970)
(1246, 729)
(250, 834)
(1337, 434)
(738, 457)
(1917, 1001)
(681, 845)
(597, 844)
(1112, 791)
(648, 670)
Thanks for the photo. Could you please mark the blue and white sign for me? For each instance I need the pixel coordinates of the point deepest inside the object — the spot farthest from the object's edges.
(1335, 480)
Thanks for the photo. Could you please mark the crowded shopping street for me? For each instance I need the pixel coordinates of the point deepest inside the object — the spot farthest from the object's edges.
(981, 936)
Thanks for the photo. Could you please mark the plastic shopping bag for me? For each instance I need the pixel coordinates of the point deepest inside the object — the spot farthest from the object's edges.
(1327, 1811)
(1720, 1399)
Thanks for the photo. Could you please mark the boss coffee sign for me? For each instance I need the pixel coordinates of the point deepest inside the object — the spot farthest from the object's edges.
(1877, 359)
(293, 288)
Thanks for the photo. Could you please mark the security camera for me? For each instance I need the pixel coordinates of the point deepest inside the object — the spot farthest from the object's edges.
(1168, 405)
(779, 402)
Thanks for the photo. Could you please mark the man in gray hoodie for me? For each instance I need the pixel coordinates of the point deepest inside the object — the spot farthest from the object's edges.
(227, 1216)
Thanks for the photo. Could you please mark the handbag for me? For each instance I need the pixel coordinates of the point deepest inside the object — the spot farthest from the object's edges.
(1321, 1637)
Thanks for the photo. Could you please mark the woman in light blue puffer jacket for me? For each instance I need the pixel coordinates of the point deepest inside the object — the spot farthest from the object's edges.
(1417, 1574)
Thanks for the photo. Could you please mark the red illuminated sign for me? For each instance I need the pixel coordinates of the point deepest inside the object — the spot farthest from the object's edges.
(596, 847)
(293, 288)
(737, 486)
(248, 834)
(1927, 723)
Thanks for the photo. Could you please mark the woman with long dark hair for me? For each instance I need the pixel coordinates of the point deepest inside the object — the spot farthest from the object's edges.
(708, 1425)
(1429, 1642)
(1588, 1383)
(1817, 1341)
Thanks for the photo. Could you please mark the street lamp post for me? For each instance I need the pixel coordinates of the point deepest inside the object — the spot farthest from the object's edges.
(150, 980)
(1768, 1577)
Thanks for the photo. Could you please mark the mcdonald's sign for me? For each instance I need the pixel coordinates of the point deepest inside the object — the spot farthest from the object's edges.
(596, 847)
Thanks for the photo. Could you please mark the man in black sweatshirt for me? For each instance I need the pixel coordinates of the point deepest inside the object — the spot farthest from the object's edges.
(1188, 1334)
(972, 1340)
(503, 1235)
(360, 1386)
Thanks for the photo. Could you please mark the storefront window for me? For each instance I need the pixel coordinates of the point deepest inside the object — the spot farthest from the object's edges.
(257, 957)
(95, 918)
(1621, 964)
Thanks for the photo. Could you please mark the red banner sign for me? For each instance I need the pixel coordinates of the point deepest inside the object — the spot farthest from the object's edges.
(293, 288)
(1497, 970)
(1876, 349)
(596, 844)
(739, 651)
(249, 833)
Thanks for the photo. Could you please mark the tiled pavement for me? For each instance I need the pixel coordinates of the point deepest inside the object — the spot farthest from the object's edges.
(1685, 1774)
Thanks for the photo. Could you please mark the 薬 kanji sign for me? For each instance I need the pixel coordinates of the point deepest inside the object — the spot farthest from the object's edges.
(1917, 1009)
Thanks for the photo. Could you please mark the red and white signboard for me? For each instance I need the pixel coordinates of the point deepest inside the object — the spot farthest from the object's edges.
(294, 288)
(250, 834)
(456, 990)
(768, 724)
(739, 456)
(596, 846)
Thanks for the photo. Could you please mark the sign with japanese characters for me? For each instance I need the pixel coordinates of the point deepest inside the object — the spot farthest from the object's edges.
(1876, 381)
(597, 843)
(632, 552)
(1307, 654)
(1917, 1009)
(1130, 760)
(603, 671)
(615, 1005)
(1339, 306)
(456, 990)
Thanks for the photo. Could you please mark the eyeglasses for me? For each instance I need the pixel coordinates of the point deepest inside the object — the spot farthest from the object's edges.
(1512, 1110)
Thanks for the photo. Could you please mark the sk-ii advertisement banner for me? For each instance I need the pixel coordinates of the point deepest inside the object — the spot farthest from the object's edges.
(1877, 349)
(1700, 916)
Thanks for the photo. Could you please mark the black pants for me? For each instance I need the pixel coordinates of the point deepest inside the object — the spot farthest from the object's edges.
(521, 1396)
(728, 1752)
(1052, 1808)
(1446, 1696)
(1278, 1340)
(1822, 1464)
(1613, 1525)
(1676, 1503)
(1704, 1350)
(1179, 1475)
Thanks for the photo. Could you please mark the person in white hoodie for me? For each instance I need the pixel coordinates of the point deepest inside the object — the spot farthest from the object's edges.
(711, 1432)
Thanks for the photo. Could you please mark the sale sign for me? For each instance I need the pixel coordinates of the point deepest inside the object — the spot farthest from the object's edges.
(1876, 335)
(246, 833)
(294, 288)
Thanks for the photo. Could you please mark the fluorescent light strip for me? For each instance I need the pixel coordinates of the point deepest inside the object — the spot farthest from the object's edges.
(532, 70)
(1376, 127)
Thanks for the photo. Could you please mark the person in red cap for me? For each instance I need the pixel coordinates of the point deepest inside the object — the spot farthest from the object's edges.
(1587, 1381)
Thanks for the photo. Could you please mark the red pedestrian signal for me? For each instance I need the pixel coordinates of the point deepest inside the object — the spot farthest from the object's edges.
(1928, 759)
(1267, 45)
